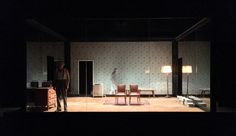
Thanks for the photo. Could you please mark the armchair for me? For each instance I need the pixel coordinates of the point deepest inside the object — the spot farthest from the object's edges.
(134, 92)
(120, 92)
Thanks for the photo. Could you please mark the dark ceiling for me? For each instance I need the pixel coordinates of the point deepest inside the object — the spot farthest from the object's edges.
(109, 20)
(116, 29)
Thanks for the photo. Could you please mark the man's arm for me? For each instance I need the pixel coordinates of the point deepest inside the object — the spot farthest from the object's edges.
(68, 78)
(54, 79)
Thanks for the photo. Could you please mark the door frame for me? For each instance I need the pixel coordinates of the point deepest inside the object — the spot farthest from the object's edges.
(78, 72)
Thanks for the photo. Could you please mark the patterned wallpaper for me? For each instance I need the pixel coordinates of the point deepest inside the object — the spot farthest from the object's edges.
(131, 59)
(197, 54)
(37, 53)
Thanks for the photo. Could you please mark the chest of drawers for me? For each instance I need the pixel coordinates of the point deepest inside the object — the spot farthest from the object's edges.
(42, 97)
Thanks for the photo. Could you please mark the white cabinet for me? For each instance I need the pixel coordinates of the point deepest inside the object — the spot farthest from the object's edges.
(98, 90)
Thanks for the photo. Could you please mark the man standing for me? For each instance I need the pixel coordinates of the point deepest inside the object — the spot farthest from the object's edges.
(114, 81)
(62, 81)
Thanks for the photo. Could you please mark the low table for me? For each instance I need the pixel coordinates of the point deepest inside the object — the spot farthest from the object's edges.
(148, 90)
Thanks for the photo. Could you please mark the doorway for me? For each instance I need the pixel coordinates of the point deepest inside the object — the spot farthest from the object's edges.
(50, 68)
(85, 77)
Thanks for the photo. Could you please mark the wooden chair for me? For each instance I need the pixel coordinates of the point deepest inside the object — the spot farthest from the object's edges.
(120, 92)
(46, 84)
(134, 92)
(34, 84)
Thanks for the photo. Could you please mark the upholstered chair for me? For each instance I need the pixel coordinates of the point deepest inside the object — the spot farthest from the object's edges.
(134, 92)
(120, 92)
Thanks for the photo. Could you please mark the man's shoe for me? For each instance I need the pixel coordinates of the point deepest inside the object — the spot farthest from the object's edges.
(58, 110)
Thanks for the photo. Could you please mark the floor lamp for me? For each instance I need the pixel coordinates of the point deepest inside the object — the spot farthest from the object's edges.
(187, 70)
(167, 70)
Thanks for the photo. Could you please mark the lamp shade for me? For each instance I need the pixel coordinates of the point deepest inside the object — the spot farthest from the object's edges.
(147, 71)
(187, 69)
(166, 69)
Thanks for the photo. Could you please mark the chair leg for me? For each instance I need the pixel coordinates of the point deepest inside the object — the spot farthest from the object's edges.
(116, 100)
(125, 100)
(129, 99)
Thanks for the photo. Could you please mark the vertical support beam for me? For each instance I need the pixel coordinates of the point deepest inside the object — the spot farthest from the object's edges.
(174, 68)
(179, 76)
(213, 83)
(67, 54)
(214, 68)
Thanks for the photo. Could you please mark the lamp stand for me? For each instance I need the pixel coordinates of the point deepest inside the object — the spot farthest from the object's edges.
(187, 84)
(167, 93)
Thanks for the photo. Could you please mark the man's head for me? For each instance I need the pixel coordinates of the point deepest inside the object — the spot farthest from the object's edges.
(61, 65)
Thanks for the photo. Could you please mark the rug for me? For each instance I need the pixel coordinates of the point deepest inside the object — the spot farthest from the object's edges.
(122, 102)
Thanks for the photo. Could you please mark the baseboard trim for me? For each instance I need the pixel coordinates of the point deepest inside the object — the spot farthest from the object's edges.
(143, 95)
(72, 95)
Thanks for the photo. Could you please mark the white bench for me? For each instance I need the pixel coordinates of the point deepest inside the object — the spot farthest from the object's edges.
(195, 98)
(186, 101)
(203, 104)
(181, 99)
(191, 101)
(198, 101)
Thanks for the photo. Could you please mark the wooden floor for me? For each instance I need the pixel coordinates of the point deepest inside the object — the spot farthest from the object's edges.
(156, 104)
